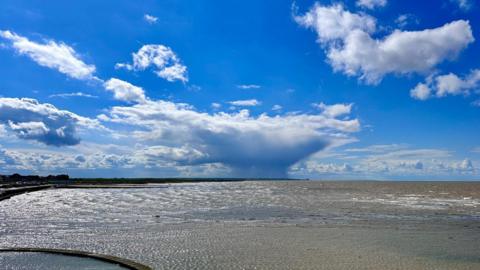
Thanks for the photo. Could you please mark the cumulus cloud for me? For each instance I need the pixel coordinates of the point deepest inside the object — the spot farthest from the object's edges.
(350, 48)
(421, 92)
(402, 159)
(42, 122)
(444, 85)
(150, 19)
(465, 166)
(183, 155)
(133, 162)
(51, 54)
(334, 110)
(249, 146)
(125, 91)
(334, 23)
(246, 102)
(166, 63)
(371, 4)
(394, 161)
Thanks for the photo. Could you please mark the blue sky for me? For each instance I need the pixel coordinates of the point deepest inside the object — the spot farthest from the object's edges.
(367, 89)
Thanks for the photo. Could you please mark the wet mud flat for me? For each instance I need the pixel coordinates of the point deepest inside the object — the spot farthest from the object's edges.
(258, 225)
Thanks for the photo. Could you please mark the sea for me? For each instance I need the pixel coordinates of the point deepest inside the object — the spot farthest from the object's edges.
(257, 224)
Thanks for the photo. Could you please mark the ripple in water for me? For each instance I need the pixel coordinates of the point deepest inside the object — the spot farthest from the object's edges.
(267, 225)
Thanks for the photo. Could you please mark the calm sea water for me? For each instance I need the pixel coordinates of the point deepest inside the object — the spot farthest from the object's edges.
(46, 261)
(258, 225)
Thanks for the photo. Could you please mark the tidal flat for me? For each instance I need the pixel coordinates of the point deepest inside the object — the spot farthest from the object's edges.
(258, 225)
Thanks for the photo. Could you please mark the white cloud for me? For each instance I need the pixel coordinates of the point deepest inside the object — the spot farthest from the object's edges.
(377, 148)
(371, 4)
(125, 91)
(246, 102)
(51, 54)
(176, 72)
(250, 146)
(42, 122)
(351, 49)
(3, 131)
(463, 4)
(444, 85)
(334, 23)
(334, 110)
(465, 166)
(421, 92)
(451, 84)
(74, 94)
(276, 107)
(394, 161)
(167, 64)
(400, 52)
(28, 130)
(216, 105)
(406, 19)
(145, 161)
(476, 103)
(150, 19)
(248, 86)
(431, 162)
(183, 155)
(313, 167)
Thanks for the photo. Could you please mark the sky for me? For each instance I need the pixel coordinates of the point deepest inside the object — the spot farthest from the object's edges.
(358, 89)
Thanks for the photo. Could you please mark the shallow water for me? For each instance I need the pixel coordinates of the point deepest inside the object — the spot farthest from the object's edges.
(263, 225)
(45, 261)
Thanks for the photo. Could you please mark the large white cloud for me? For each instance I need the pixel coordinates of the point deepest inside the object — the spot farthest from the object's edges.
(250, 146)
(351, 49)
(125, 91)
(42, 122)
(333, 23)
(166, 63)
(449, 84)
(51, 54)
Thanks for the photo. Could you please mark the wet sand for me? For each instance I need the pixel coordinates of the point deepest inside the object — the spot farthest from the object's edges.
(259, 225)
